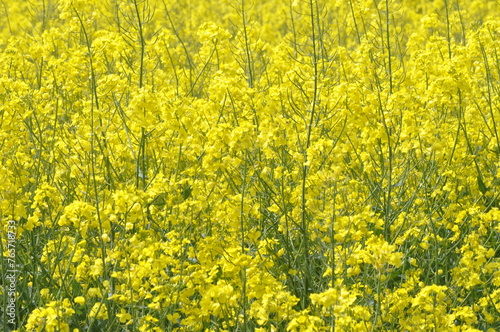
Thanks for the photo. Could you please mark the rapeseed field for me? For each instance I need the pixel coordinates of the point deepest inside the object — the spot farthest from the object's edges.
(250, 165)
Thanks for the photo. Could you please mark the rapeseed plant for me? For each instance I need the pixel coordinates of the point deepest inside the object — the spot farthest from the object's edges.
(305, 165)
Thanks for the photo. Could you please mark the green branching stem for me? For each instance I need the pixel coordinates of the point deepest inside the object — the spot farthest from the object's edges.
(388, 40)
(248, 53)
(448, 32)
(95, 106)
(307, 273)
(242, 231)
(142, 42)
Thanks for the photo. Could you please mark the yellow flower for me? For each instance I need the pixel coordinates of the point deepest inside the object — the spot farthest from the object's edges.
(79, 299)
(124, 317)
(99, 311)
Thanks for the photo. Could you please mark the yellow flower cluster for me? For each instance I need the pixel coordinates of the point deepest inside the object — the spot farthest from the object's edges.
(52, 317)
(264, 165)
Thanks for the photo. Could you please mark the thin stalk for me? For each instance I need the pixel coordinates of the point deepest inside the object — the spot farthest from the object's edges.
(248, 53)
(242, 233)
(332, 240)
(489, 80)
(95, 106)
(142, 42)
(388, 40)
(358, 36)
(448, 33)
(306, 272)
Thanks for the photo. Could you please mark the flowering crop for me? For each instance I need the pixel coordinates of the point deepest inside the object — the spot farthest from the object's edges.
(305, 165)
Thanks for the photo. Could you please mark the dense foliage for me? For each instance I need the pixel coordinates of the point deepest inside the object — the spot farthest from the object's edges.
(258, 165)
